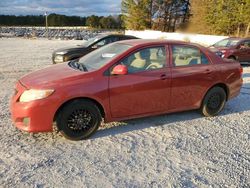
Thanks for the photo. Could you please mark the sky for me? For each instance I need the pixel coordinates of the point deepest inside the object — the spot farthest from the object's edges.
(67, 7)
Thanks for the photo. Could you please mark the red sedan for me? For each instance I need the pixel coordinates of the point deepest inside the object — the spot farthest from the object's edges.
(124, 80)
(233, 48)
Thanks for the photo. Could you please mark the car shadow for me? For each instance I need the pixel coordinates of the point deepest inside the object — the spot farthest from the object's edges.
(234, 106)
(112, 129)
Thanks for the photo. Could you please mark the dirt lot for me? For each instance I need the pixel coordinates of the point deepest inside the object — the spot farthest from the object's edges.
(177, 150)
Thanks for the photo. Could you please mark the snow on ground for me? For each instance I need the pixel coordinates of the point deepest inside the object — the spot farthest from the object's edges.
(176, 150)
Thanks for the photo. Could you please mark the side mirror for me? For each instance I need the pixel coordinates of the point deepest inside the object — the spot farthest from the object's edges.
(119, 70)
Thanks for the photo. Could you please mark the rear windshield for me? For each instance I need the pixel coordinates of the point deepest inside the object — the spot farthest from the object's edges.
(103, 56)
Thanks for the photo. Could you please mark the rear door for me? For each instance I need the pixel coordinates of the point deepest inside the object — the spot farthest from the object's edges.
(146, 87)
(247, 51)
(192, 75)
(244, 51)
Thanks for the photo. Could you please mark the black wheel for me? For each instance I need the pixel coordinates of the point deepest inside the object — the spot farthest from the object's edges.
(213, 102)
(78, 119)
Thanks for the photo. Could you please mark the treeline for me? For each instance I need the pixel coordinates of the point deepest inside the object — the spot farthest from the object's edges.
(101, 22)
(230, 17)
(164, 15)
(109, 22)
(223, 17)
(11, 20)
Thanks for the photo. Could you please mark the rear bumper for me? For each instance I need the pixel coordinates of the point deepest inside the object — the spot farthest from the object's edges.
(235, 89)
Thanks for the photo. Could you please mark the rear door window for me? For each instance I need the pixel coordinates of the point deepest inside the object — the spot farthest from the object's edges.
(188, 56)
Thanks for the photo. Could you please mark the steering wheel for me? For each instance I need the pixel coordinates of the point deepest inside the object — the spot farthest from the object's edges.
(153, 66)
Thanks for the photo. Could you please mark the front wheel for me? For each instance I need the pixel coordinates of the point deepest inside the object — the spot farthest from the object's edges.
(213, 102)
(78, 119)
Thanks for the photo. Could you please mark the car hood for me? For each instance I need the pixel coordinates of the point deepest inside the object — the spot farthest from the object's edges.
(63, 51)
(52, 75)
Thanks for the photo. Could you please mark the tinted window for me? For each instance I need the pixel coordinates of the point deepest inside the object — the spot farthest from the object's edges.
(246, 44)
(185, 56)
(103, 42)
(146, 59)
(226, 43)
(114, 39)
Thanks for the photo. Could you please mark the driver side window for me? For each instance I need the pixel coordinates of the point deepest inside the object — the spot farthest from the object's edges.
(102, 42)
(146, 59)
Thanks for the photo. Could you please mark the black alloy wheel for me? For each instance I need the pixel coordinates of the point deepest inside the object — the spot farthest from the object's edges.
(79, 119)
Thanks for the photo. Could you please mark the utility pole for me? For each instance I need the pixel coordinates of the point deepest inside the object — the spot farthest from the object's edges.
(46, 24)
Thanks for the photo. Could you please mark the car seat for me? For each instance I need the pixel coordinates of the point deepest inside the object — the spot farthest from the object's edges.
(139, 62)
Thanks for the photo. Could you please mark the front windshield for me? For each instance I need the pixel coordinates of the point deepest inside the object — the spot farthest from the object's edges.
(91, 41)
(102, 56)
(226, 43)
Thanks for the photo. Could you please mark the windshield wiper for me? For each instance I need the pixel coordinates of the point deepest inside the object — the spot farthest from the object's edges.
(77, 65)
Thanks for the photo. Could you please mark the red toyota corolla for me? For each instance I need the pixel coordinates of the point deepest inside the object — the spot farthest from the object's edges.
(124, 80)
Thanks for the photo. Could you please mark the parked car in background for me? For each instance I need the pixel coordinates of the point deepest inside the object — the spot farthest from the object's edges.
(124, 80)
(233, 48)
(67, 54)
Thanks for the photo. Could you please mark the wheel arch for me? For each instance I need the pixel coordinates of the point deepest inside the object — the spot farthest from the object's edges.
(98, 104)
(221, 85)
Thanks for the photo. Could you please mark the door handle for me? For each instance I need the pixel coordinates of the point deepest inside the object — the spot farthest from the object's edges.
(208, 71)
(163, 77)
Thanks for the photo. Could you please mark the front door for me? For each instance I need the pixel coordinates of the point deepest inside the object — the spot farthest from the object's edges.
(146, 87)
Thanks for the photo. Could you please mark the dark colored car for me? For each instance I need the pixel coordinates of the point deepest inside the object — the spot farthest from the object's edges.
(67, 54)
(124, 80)
(233, 48)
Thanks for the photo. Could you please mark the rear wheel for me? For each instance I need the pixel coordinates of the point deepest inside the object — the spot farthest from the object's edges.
(213, 102)
(78, 119)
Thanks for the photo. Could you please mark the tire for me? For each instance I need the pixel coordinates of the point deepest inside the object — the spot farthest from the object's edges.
(78, 119)
(213, 102)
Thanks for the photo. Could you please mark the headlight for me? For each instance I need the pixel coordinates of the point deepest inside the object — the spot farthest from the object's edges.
(59, 58)
(33, 94)
(61, 53)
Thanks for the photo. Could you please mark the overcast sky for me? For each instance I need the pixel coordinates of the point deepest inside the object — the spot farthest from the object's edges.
(67, 7)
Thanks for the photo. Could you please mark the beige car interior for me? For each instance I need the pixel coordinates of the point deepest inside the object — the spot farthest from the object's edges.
(147, 59)
(187, 58)
(138, 63)
(156, 61)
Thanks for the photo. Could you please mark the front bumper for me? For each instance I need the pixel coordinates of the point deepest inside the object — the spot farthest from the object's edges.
(35, 116)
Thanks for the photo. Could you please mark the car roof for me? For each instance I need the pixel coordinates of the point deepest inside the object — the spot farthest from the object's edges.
(238, 38)
(114, 35)
(139, 42)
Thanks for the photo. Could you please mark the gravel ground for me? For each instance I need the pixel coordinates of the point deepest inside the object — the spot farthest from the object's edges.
(176, 150)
